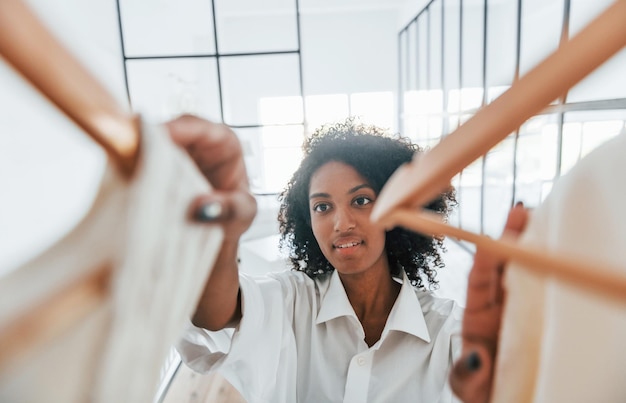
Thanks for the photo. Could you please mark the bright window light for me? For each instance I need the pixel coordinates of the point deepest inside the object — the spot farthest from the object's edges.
(471, 98)
(324, 109)
(280, 110)
(596, 133)
(374, 108)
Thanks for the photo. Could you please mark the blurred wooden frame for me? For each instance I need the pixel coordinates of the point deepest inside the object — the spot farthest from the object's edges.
(429, 174)
(35, 53)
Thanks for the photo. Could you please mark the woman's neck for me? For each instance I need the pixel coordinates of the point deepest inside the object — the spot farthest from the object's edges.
(371, 294)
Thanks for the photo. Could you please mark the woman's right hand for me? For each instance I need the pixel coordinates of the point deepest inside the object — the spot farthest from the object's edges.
(217, 152)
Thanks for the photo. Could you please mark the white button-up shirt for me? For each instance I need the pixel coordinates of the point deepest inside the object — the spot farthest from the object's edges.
(300, 341)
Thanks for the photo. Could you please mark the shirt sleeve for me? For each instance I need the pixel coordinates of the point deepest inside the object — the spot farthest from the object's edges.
(259, 360)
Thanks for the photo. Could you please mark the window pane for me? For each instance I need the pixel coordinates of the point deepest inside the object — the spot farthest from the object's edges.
(253, 156)
(280, 110)
(247, 80)
(584, 131)
(498, 186)
(324, 109)
(471, 98)
(421, 124)
(282, 153)
(571, 148)
(271, 154)
(162, 89)
(376, 108)
(434, 56)
(536, 159)
(451, 53)
(451, 43)
(250, 26)
(290, 136)
(435, 128)
(403, 60)
(537, 44)
(183, 27)
(470, 196)
(347, 52)
(422, 51)
(472, 43)
(412, 46)
(501, 42)
(608, 81)
(416, 128)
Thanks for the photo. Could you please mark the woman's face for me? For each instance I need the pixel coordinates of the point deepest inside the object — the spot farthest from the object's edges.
(340, 203)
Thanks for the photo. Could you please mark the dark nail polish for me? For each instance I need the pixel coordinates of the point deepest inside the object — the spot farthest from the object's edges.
(208, 212)
(519, 204)
(472, 361)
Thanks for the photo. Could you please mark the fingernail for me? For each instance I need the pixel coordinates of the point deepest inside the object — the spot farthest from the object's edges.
(208, 212)
(472, 361)
(519, 204)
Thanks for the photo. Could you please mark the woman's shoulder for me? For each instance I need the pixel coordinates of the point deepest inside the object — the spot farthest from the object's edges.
(434, 305)
(298, 280)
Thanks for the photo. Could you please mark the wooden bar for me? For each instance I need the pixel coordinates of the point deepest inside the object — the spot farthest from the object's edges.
(574, 270)
(34, 52)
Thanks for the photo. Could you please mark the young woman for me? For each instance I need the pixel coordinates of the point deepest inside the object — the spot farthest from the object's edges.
(354, 320)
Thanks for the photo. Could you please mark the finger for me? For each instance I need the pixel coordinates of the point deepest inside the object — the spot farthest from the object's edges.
(187, 130)
(471, 375)
(484, 272)
(214, 148)
(515, 224)
(485, 278)
(220, 207)
(516, 221)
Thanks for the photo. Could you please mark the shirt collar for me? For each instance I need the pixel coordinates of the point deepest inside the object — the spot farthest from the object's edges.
(334, 302)
(405, 316)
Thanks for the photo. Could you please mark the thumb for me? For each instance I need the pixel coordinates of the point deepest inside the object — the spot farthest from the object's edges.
(471, 375)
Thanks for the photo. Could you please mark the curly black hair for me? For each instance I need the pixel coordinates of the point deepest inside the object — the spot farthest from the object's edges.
(375, 155)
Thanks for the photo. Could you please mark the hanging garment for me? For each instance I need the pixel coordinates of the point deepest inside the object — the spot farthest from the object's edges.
(561, 343)
(160, 262)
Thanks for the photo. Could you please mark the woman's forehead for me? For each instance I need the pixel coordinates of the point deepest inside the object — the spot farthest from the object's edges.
(335, 176)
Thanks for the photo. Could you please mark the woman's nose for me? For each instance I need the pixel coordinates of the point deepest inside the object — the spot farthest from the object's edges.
(344, 220)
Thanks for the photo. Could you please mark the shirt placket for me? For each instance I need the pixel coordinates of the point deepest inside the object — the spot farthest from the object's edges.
(358, 379)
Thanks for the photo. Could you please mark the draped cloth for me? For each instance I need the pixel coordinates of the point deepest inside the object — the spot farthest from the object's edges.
(560, 343)
(160, 263)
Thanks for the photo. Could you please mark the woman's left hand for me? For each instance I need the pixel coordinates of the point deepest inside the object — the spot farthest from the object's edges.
(472, 376)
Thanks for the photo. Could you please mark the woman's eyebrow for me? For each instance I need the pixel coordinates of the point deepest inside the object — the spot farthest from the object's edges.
(354, 189)
(314, 195)
(359, 187)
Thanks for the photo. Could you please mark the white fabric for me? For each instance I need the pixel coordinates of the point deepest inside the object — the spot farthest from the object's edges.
(560, 343)
(160, 263)
(300, 341)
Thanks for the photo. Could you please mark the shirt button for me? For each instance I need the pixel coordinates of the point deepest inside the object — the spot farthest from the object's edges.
(360, 361)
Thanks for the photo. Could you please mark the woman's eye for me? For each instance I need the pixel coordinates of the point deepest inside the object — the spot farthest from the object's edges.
(320, 207)
(362, 201)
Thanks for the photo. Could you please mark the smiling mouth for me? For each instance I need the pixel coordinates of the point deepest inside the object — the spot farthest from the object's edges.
(347, 245)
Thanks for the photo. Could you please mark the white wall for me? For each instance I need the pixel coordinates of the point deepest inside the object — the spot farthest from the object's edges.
(48, 168)
(349, 51)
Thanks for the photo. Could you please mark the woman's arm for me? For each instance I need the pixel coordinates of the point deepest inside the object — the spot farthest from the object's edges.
(217, 152)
